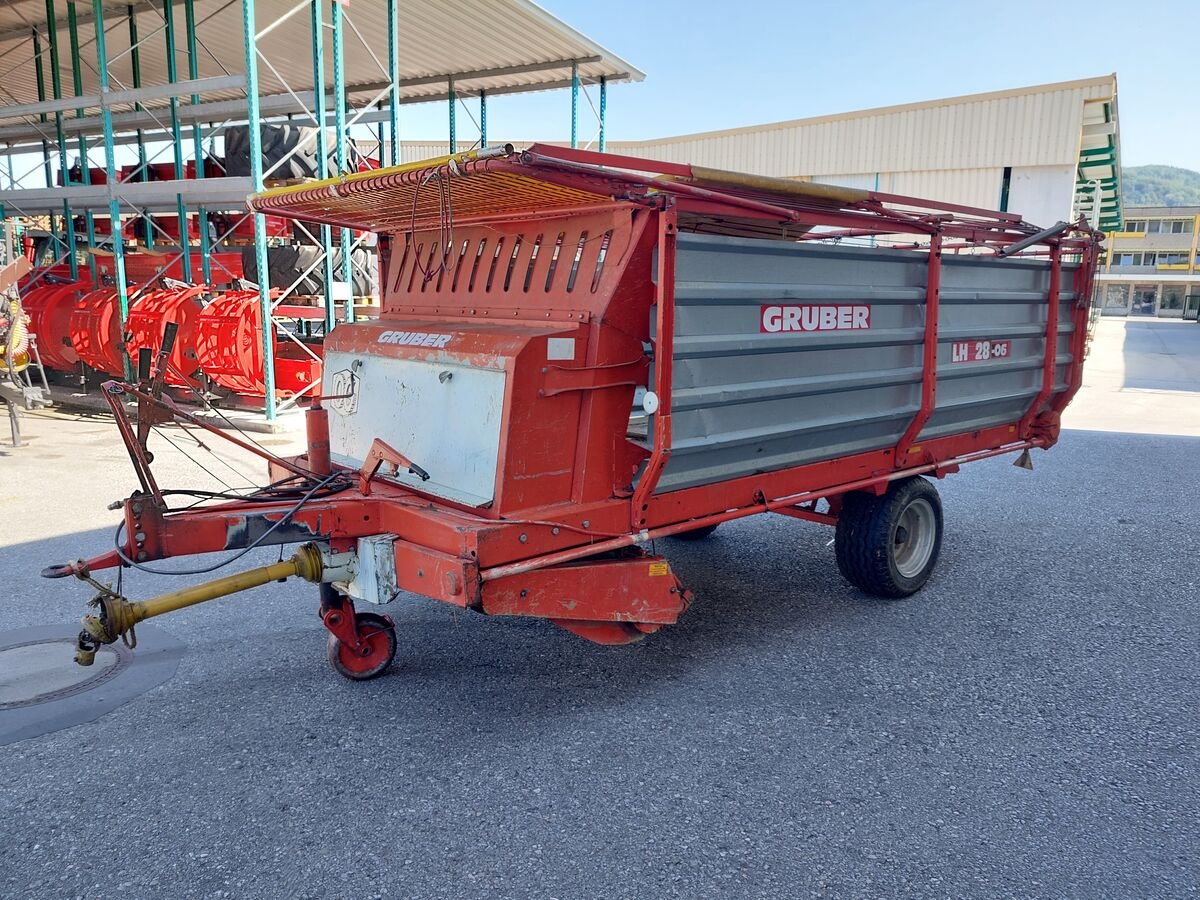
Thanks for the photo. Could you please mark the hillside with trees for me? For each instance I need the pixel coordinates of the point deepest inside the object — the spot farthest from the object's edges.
(1160, 186)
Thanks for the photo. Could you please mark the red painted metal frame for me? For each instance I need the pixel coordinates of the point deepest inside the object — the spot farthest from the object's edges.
(1050, 358)
(933, 290)
(664, 363)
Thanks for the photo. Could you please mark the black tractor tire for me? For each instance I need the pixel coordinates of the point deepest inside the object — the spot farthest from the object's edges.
(276, 142)
(288, 263)
(888, 546)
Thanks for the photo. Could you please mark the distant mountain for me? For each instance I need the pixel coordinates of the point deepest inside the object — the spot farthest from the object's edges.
(1159, 186)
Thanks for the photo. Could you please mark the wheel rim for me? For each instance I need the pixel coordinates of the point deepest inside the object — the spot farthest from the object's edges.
(912, 541)
(379, 647)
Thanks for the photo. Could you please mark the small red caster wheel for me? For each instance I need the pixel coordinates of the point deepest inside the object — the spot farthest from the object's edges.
(378, 649)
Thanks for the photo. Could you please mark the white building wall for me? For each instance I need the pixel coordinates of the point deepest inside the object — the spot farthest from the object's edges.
(970, 187)
(1042, 194)
(1032, 127)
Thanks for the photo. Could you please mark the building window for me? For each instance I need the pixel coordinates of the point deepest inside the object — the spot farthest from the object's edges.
(1147, 259)
(1172, 298)
(1177, 226)
(1145, 299)
(1135, 226)
(1153, 226)
(1116, 296)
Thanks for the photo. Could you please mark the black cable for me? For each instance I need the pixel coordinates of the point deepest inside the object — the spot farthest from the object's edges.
(287, 517)
(265, 495)
(192, 460)
(213, 409)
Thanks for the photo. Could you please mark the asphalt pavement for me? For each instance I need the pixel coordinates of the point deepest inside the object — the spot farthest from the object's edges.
(1026, 726)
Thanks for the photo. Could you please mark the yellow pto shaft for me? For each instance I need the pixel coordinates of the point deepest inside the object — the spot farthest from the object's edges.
(118, 616)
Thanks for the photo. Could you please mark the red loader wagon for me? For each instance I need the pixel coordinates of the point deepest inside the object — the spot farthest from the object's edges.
(579, 353)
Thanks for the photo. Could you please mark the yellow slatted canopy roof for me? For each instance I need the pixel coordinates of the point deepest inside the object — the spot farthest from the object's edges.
(398, 197)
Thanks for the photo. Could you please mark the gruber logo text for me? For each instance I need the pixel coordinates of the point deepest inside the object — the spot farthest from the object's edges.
(815, 317)
(415, 339)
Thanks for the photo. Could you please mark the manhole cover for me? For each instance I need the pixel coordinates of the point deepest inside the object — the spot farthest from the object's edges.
(41, 671)
(43, 690)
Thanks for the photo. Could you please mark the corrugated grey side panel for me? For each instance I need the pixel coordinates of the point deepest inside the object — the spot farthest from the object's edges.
(993, 299)
(747, 402)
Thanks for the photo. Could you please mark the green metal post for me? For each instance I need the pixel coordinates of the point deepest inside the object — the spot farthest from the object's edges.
(189, 21)
(41, 95)
(603, 108)
(84, 165)
(394, 77)
(318, 55)
(574, 104)
(256, 184)
(64, 168)
(176, 140)
(9, 239)
(482, 119)
(136, 63)
(453, 129)
(110, 164)
(339, 123)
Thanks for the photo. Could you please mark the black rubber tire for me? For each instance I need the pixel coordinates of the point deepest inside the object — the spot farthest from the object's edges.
(276, 142)
(286, 264)
(867, 534)
(697, 534)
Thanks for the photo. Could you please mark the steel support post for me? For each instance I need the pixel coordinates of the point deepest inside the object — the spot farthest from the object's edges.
(168, 12)
(110, 165)
(339, 122)
(603, 109)
(189, 21)
(256, 185)
(394, 76)
(318, 56)
(135, 60)
(47, 167)
(574, 104)
(41, 95)
(85, 169)
(63, 166)
(483, 120)
(452, 93)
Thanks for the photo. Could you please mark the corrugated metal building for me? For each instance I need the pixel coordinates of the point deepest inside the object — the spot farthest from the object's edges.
(1041, 151)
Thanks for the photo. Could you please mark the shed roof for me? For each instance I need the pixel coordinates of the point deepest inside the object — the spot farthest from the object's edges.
(501, 46)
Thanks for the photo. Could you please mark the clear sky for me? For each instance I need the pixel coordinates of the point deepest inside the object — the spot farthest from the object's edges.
(723, 64)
